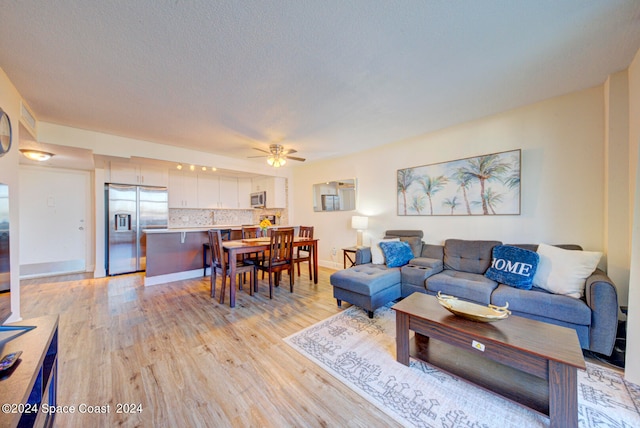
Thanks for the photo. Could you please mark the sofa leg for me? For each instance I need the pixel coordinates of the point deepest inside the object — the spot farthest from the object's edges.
(370, 313)
(339, 303)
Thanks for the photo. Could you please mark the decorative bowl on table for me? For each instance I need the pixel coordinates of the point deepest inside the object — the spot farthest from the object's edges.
(473, 311)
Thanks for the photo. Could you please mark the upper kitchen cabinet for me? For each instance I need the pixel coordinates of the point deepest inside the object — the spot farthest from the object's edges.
(219, 192)
(244, 193)
(131, 173)
(208, 191)
(183, 189)
(276, 188)
(228, 192)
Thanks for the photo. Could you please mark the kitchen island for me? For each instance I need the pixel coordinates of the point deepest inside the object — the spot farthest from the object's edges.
(177, 254)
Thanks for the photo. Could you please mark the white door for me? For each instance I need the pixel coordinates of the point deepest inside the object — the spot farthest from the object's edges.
(54, 212)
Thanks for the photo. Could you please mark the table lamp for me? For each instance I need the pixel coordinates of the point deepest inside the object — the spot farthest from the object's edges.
(360, 223)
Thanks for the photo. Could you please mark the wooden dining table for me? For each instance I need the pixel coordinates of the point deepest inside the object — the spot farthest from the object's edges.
(252, 245)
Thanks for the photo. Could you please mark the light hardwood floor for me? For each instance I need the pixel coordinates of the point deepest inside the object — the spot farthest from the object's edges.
(188, 360)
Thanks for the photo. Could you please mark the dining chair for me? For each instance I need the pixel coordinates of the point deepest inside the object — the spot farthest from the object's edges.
(250, 232)
(220, 266)
(206, 247)
(303, 253)
(279, 258)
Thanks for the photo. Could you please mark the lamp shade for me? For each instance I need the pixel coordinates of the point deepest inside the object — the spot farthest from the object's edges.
(359, 222)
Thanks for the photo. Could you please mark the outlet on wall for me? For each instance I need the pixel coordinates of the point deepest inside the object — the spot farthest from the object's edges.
(333, 251)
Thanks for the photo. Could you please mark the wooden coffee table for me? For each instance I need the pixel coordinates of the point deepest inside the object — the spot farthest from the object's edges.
(531, 363)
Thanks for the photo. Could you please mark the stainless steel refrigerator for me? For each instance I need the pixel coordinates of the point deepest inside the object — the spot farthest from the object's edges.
(130, 209)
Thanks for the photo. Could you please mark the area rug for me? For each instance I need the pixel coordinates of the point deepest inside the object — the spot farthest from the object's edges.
(361, 353)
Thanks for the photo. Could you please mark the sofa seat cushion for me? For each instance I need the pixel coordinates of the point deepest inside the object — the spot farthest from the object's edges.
(366, 279)
(468, 286)
(542, 303)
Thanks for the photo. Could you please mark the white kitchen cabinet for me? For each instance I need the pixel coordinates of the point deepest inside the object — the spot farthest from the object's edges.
(244, 193)
(228, 192)
(208, 191)
(217, 192)
(132, 173)
(183, 189)
(276, 188)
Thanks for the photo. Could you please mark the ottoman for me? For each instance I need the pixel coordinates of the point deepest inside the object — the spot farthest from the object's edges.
(367, 286)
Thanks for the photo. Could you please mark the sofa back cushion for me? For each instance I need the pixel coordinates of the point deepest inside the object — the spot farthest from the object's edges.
(468, 256)
(411, 237)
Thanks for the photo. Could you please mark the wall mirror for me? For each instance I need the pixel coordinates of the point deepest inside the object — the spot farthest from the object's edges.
(337, 195)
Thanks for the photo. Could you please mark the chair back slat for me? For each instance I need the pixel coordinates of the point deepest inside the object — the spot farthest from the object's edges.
(217, 252)
(305, 232)
(251, 232)
(281, 246)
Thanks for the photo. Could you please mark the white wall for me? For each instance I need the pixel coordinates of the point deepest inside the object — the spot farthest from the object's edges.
(562, 179)
(632, 368)
(10, 103)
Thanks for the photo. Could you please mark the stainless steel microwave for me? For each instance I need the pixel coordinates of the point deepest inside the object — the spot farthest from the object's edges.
(258, 199)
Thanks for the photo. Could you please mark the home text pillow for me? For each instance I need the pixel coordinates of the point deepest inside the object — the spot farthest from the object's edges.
(563, 271)
(396, 254)
(377, 258)
(513, 266)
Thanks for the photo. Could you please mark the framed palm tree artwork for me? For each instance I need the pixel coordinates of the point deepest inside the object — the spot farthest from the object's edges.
(481, 185)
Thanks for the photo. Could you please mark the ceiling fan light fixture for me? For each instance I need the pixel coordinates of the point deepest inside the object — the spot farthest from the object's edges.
(36, 155)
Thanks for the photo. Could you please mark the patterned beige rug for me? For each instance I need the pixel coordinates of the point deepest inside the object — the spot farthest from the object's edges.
(361, 353)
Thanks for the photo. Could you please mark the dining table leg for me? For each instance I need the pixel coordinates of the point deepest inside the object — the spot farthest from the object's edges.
(314, 248)
(232, 279)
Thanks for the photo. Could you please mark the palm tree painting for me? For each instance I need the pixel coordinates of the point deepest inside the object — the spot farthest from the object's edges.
(481, 185)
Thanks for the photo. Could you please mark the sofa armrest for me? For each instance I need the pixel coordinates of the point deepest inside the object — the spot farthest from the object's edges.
(601, 296)
(363, 255)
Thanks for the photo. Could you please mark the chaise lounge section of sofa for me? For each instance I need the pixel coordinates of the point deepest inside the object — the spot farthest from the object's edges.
(458, 267)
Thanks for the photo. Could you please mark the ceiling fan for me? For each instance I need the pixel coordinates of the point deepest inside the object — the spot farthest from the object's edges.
(277, 156)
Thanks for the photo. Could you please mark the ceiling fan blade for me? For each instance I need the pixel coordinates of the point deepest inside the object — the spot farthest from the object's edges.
(295, 158)
(261, 150)
(259, 156)
(286, 152)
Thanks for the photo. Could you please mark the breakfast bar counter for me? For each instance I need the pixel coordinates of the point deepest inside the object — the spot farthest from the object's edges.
(177, 254)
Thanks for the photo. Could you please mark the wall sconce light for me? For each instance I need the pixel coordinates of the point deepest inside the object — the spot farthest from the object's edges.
(360, 223)
(36, 155)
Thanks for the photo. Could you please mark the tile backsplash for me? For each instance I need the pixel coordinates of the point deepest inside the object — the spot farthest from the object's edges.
(180, 217)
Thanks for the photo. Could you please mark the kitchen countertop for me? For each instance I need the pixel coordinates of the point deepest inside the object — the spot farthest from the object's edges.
(198, 228)
(193, 229)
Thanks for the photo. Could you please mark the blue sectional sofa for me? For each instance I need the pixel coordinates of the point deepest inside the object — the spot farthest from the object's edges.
(458, 268)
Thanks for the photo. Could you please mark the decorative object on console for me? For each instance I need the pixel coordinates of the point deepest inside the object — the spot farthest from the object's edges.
(513, 266)
(564, 271)
(490, 185)
(473, 311)
(360, 223)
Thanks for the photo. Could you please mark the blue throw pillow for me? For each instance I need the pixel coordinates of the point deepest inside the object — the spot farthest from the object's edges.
(513, 266)
(396, 253)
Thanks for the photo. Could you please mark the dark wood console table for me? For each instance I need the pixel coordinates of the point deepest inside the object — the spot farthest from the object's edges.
(32, 382)
(531, 363)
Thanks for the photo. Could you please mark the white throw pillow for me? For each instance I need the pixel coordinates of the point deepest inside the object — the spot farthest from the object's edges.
(377, 256)
(563, 271)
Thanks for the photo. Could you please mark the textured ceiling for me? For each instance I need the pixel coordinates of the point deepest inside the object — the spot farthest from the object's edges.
(323, 77)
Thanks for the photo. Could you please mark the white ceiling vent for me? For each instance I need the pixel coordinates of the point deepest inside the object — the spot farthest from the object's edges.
(28, 120)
